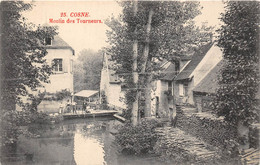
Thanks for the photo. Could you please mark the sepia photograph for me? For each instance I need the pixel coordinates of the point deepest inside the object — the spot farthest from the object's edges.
(129, 82)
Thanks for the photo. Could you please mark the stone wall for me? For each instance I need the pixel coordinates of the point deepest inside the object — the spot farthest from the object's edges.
(212, 130)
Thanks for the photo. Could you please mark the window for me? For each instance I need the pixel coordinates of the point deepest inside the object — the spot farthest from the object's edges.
(170, 88)
(47, 41)
(123, 87)
(57, 66)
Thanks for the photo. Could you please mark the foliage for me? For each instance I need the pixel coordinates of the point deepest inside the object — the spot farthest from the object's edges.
(35, 101)
(60, 95)
(126, 113)
(23, 67)
(172, 34)
(254, 137)
(87, 70)
(239, 80)
(173, 154)
(11, 121)
(138, 139)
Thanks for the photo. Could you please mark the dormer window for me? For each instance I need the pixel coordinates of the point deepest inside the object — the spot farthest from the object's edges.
(48, 41)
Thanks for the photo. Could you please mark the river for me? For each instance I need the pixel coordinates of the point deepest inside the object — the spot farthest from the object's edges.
(75, 142)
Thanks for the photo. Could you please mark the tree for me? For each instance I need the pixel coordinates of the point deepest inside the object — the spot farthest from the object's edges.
(23, 67)
(157, 30)
(239, 77)
(22, 51)
(87, 70)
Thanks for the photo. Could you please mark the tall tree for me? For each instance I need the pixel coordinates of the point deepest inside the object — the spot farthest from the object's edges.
(160, 30)
(87, 70)
(22, 63)
(239, 78)
(23, 67)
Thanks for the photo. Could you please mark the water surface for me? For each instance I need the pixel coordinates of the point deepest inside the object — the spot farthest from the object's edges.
(75, 142)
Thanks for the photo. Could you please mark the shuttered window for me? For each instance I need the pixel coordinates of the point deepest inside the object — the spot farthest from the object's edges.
(185, 89)
(181, 89)
(65, 65)
(71, 66)
(57, 65)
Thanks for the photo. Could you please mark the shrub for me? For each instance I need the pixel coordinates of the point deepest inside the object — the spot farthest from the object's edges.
(59, 95)
(62, 94)
(127, 113)
(138, 139)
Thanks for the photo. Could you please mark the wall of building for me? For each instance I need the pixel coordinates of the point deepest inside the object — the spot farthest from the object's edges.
(211, 59)
(179, 92)
(115, 97)
(159, 89)
(114, 94)
(60, 80)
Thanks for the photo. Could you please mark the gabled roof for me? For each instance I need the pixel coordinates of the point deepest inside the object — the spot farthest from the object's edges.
(59, 43)
(169, 72)
(195, 60)
(209, 83)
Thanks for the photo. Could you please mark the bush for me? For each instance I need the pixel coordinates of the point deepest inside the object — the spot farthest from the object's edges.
(62, 94)
(138, 139)
(59, 95)
(127, 114)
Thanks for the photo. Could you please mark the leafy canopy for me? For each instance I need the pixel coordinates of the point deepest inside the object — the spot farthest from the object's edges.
(239, 39)
(23, 67)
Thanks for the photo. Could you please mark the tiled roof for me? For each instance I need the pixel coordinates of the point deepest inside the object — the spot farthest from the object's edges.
(195, 60)
(209, 84)
(169, 72)
(59, 43)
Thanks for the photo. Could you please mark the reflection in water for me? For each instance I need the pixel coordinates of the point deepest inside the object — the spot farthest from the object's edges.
(87, 150)
(78, 141)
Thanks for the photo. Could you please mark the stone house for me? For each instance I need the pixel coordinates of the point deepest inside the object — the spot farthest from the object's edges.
(111, 86)
(60, 56)
(162, 94)
(201, 63)
(162, 91)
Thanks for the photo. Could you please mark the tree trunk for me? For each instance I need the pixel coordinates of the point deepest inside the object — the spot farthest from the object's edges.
(135, 74)
(146, 66)
(147, 109)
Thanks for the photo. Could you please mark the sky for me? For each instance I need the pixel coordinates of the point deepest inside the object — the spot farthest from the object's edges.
(93, 35)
